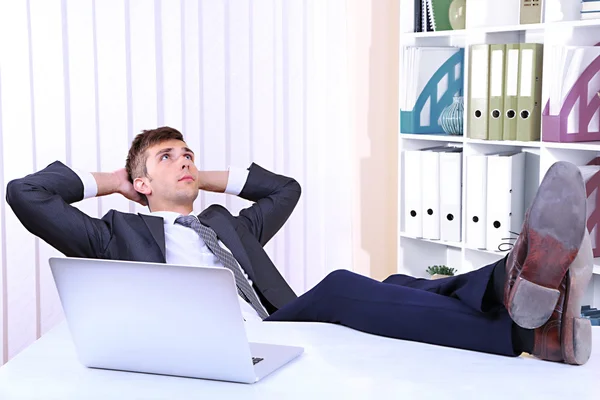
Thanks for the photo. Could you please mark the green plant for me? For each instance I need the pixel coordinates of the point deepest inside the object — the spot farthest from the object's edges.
(440, 270)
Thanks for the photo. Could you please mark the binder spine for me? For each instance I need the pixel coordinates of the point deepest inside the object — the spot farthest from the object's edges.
(431, 15)
(410, 121)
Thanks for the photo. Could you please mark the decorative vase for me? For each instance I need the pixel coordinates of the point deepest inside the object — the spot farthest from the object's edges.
(439, 276)
(457, 14)
(451, 117)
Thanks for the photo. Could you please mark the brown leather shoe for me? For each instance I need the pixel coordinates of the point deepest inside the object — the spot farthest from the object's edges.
(567, 337)
(549, 241)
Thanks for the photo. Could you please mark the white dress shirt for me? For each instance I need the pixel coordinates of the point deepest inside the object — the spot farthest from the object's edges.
(183, 245)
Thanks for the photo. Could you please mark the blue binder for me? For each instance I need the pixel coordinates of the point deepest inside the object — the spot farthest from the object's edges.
(410, 121)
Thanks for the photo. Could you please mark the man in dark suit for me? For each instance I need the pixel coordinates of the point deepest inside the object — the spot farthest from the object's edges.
(527, 302)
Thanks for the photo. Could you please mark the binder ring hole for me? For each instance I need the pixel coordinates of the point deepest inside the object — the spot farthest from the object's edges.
(476, 219)
(477, 113)
(511, 114)
(496, 114)
(429, 211)
(450, 217)
(413, 213)
(497, 224)
(524, 114)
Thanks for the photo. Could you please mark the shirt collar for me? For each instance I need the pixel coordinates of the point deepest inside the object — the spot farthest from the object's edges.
(169, 217)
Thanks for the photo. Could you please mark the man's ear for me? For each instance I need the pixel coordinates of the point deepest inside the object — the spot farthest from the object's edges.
(141, 186)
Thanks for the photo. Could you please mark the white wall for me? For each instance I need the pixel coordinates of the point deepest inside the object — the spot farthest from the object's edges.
(263, 81)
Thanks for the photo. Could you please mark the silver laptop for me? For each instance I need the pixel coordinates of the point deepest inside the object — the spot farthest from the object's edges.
(163, 319)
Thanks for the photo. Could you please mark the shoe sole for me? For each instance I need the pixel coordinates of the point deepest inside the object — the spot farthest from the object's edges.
(551, 246)
(576, 334)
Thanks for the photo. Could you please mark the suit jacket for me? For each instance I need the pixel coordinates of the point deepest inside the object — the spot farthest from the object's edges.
(42, 202)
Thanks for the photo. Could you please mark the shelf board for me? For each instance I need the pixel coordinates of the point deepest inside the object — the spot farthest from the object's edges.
(500, 254)
(573, 24)
(457, 245)
(495, 253)
(504, 142)
(590, 146)
(432, 137)
(449, 33)
(505, 28)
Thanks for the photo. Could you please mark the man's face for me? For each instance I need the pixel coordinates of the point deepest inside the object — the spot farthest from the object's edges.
(172, 175)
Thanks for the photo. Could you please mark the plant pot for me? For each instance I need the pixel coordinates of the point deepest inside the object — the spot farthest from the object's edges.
(439, 276)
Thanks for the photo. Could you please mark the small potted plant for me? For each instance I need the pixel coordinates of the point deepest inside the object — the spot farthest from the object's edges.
(440, 271)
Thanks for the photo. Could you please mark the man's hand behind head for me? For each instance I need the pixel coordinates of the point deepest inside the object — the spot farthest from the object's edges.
(126, 188)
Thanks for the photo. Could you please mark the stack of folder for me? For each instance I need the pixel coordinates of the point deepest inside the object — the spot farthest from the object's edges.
(590, 9)
(495, 199)
(431, 77)
(571, 113)
(433, 193)
(505, 89)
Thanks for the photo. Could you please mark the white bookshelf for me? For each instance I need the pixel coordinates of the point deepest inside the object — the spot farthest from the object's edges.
(416, 254)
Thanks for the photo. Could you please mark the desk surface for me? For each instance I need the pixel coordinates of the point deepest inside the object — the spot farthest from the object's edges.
(337, 363)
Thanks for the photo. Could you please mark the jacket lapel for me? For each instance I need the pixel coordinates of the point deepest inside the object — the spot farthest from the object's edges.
(157, 229)
(227, 234)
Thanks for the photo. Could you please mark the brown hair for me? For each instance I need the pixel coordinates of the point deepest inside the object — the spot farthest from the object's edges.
(137, 157)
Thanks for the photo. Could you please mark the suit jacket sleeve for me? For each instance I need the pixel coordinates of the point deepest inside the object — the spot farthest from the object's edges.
(274, 196)
(42, 202)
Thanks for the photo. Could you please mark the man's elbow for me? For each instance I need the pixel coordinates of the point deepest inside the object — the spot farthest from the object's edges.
(294, 189)
(14, 190)
(20, 196)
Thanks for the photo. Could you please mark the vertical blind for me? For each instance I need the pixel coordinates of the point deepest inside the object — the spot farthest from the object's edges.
(245, 81)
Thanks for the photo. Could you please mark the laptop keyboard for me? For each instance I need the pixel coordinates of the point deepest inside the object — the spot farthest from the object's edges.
(256, 360)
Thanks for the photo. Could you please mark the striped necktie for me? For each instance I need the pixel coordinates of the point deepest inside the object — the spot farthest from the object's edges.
(210, 238)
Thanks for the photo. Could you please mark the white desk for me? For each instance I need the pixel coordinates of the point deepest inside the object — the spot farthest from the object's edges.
(337, 363)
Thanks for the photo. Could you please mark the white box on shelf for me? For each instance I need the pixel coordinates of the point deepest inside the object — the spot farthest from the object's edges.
(485, 13)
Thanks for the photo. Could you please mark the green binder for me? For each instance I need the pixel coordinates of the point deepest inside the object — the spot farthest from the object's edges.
(511, 90)
(530, 92)
(478, 101)
(439, 14)
(496, 95)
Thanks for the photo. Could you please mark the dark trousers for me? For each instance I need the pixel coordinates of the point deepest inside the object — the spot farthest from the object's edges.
(457, 311)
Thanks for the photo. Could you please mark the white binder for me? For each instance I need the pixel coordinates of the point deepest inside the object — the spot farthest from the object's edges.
(450, 196)
(430, 180)
(476, 201)
(430, 205)
(505, 199)
(413, 218)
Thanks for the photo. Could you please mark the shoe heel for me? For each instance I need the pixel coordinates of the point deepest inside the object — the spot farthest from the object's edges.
(532, 304)
(576, 335)
(578, 350)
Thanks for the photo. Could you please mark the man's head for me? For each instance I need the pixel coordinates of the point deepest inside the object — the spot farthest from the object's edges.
(161, 168)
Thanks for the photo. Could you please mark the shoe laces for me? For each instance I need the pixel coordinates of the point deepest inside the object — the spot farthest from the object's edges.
(510, 242)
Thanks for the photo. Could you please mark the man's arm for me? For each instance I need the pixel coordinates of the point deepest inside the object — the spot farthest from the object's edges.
(274, 196)
(213, 181)
(116, 182)
(42, 202)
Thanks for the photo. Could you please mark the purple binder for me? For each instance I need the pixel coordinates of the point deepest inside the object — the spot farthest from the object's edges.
(593, 220)
(554, 127)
